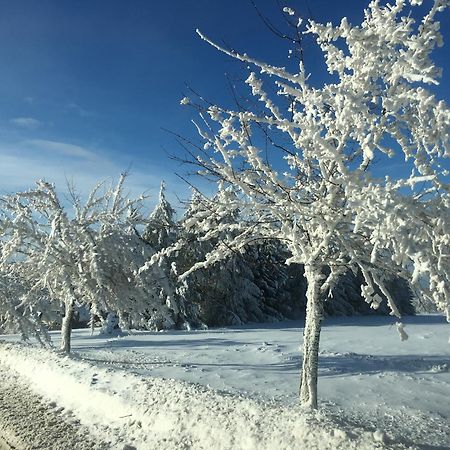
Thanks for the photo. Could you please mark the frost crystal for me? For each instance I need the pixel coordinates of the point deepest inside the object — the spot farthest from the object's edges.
(289, 11)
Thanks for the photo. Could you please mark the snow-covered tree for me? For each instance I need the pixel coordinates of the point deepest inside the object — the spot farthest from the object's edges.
(347, 300)
(161, 229)
(160, 233)
(281, 286)
(245, 287)
(89, 256)
(23, 307)
(205, 290)
(330, 203)
(253, 284)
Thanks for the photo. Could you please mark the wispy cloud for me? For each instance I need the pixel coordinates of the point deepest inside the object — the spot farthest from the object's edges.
(26, 122)
(82, 112)
(61, 148)
(23, 162)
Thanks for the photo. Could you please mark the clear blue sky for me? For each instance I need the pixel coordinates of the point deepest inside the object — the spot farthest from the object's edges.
(85, 86)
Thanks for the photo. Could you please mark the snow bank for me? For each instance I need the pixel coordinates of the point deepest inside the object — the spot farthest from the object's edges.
(27, 421)
(167, 414)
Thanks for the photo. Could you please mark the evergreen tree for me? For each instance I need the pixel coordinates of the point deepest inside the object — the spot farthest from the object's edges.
(162, 234)
(253, 284)
(161, 230)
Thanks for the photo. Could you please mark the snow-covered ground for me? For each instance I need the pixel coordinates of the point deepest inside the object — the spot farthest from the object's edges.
(127, 390)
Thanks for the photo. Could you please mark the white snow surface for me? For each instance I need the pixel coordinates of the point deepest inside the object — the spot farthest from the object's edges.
(237, 388)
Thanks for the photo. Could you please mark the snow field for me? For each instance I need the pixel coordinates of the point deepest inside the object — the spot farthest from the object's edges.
(123, 408)
(237, 388)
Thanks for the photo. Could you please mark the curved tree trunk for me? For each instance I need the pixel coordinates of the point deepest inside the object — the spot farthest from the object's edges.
(66, 328)
(311, 337)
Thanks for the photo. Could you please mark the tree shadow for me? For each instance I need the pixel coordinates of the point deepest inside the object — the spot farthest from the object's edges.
(330, 365)
(285, 325)
(348, 421)
(376, 320)
(170, 343)
(353, 364)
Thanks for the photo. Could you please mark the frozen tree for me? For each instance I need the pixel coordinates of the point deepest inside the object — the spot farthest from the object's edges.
(253, 284)
(346, 297)
(90, 256)
(331, 203)
(200, 288)
(246, 286)
(206, 292)
(281, 286)
(160, 231)
(23, 307)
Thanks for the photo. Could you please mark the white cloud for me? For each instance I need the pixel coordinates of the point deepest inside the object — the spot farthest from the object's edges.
(26, 122)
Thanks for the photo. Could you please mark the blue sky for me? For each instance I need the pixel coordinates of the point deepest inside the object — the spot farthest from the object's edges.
(86, 86)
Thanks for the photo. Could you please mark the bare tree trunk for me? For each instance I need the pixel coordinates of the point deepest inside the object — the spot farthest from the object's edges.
(311, 337)
(66, 328)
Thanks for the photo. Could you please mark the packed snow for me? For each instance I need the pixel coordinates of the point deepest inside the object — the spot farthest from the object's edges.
(238, 387)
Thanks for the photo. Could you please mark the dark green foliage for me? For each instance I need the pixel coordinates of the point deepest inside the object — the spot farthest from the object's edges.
(254, 284)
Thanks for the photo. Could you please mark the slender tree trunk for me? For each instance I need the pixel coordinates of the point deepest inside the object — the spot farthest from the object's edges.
(66, 328)
(92, 323)
(311, 337)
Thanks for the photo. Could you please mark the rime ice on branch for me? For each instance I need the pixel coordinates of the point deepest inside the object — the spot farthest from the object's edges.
(331, 204)
(89, 256)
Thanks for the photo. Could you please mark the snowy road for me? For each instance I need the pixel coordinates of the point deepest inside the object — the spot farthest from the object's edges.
(27, 421)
